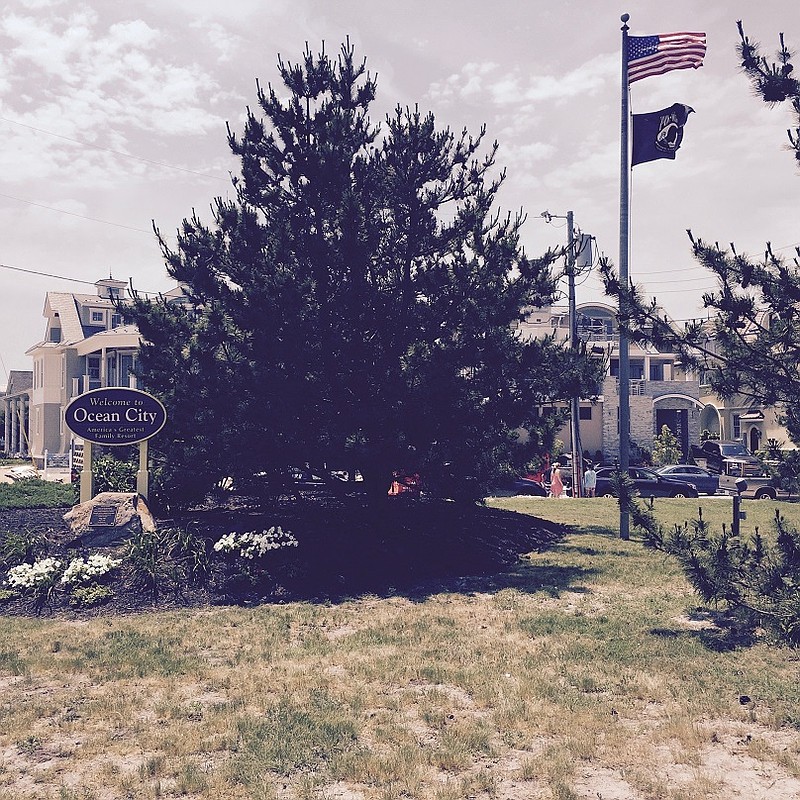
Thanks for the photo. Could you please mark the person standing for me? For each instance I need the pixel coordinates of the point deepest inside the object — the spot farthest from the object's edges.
(556, 484)
(590, 481)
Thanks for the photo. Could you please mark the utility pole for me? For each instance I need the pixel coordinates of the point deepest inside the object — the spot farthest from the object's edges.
(575, 437)
(574, 409)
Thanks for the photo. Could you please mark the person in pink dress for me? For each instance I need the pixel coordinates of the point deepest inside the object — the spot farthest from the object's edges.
(556, 484)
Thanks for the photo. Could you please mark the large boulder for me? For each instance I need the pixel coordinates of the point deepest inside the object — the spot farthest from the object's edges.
(109, 519)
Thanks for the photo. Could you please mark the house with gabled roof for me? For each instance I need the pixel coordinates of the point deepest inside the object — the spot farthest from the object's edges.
(85, 346)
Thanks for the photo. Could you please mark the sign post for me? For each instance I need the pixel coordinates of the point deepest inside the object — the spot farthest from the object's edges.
(143, 475)
(115, 416)
(87, 479)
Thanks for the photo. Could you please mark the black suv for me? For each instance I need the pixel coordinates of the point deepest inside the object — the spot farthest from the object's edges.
(649, 483)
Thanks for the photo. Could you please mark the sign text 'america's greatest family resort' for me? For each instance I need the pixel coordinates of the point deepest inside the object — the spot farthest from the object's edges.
(115, 416)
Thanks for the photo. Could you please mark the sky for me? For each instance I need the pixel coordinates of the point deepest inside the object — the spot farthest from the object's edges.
(113, 120)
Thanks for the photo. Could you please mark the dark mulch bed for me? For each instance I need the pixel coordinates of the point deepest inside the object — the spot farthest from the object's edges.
(346, 548)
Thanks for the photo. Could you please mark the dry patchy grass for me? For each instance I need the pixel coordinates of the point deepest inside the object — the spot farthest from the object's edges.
(585, 672)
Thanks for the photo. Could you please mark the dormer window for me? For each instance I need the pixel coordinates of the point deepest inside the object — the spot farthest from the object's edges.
(110, 289)
(98, 316)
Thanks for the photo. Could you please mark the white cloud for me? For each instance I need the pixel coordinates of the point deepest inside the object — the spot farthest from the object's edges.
(226, 43)
(595, 163)
(524, 156)
(477, 81)
(39, 4)
(238, 9)
(104, 82)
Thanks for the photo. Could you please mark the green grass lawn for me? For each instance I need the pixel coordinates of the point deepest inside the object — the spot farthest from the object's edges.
(35, 493)
(587, 670)
(601, 514)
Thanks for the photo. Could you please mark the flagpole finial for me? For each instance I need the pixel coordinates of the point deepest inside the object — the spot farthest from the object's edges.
(625, 18)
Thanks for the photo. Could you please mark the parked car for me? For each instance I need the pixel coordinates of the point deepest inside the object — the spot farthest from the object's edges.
(525, 485)
(721, 456)
(648, 482)
(529, 484)
(705, 481)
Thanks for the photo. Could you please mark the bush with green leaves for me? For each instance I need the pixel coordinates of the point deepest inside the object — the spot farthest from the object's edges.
(90, 596)
(666, 448)
(164, 560)
(35, 493)
(17, 547)
(112, 474)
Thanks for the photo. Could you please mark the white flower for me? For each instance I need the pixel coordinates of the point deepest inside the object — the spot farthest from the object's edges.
(95, 566)
(29, 576)
(226, 544)
(252, 545)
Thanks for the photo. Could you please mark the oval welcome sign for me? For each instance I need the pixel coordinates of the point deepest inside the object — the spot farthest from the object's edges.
(115, 416)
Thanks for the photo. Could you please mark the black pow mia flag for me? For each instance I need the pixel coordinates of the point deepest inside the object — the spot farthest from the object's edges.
(658, 134)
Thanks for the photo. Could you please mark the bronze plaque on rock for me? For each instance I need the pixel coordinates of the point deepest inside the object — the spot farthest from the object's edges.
(103, 517)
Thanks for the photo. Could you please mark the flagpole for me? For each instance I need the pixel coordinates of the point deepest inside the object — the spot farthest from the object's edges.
(624, 225)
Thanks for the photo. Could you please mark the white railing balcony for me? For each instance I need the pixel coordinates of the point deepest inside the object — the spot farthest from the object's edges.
(636, 387)
(598, 337)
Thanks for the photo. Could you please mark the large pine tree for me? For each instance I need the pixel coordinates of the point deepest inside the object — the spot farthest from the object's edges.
(355, 305)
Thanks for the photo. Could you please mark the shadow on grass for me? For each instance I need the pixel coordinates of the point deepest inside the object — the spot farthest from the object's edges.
(347, 549)
(551, 580)
(408, 548)
(721, 632)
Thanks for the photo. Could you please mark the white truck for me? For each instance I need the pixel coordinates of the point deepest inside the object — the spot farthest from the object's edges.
(734, 463)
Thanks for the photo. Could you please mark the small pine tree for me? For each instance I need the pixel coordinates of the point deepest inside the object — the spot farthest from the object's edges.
(666, 449)
(757, 576)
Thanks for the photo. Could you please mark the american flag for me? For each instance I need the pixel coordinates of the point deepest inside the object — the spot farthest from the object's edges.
(654, 55)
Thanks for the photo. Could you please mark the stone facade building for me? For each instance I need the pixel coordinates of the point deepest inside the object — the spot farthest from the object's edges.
(661, 393)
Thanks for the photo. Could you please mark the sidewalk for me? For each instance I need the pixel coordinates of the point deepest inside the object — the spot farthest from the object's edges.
(54, 474)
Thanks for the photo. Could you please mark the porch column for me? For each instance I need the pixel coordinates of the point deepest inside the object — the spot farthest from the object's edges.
(103, 368)
(15, 426)
(23, 427)
(7, 439)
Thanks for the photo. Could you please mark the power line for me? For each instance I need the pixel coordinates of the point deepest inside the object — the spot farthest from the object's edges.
(60, 277)
(675, 291)
(651, 279)
(73, 214)
(115, 152)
